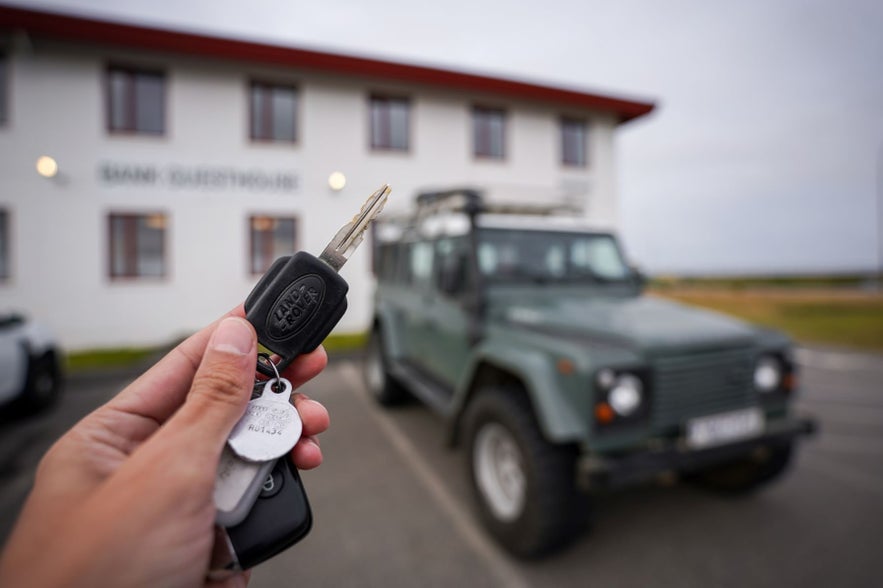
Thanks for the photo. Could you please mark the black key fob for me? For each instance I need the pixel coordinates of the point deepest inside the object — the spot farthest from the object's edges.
(280, 518)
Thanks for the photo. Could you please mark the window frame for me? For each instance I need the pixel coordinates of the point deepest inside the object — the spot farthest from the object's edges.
(387, 147)
(563, 121)
(252, 217)
(5, 85)
(131, 128)
(269, 86)
(483, 109)
(6, 244)
(131, 246)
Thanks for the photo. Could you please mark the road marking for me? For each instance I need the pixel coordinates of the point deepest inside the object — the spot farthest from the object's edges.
(497, 562)
(837, 360)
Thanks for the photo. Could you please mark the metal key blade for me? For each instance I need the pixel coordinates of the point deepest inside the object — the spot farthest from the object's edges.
(351, 234)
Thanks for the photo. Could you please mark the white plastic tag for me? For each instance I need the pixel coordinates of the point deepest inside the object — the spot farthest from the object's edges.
(270, 426)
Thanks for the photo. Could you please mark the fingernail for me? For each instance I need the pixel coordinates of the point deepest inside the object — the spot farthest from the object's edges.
(233, 335)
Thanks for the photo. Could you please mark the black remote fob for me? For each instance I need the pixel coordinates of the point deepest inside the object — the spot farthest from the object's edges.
(280, 518)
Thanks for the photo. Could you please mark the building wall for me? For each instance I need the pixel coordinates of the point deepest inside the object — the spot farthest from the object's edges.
(59, 226)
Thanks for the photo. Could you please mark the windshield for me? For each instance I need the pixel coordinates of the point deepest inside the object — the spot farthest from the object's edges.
(511, 256)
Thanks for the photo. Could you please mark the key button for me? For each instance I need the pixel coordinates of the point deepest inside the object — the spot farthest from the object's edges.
(272, 485)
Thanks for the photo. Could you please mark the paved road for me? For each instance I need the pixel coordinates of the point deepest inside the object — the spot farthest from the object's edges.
(391, 504)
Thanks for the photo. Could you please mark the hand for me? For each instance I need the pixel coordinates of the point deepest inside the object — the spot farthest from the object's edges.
(125, 498)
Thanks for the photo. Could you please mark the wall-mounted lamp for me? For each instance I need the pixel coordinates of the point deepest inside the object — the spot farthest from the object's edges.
(47, 167)
(337, 181)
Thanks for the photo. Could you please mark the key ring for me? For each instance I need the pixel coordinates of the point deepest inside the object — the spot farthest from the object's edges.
(278, 380)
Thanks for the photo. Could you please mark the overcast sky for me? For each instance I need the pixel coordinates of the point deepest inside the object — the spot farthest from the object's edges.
(765, 153)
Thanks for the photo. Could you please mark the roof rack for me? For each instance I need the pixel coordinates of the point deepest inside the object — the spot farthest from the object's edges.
(471, 201)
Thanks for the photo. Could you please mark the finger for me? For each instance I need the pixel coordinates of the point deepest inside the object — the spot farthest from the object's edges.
(306, 367)
(307, 454)
(162, 388)
(313, 415)
(221, 388)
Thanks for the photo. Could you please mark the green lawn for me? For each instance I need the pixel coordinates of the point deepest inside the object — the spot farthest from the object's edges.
(827, 317)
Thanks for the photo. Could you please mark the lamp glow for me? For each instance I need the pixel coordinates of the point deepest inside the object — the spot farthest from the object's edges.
(337, 181)
(47, 167)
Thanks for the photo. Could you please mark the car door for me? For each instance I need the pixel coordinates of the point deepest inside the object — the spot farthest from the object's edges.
(448, 329)
(413, 299)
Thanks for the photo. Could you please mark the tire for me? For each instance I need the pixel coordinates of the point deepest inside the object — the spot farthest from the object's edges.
(381, 385)
(748, 474)
(43, 385)
(524, 486)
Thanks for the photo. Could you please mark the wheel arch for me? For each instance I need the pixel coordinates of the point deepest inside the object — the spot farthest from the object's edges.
(530, 374)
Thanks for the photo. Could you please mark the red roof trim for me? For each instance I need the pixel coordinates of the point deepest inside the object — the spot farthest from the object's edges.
(83, 29)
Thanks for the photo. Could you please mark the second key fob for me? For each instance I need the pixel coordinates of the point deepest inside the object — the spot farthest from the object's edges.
(280, 518)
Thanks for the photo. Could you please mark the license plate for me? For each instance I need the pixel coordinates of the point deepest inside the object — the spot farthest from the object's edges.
(727, 427)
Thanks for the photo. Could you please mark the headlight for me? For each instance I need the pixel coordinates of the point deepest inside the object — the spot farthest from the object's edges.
(626, 395)
(767, 374)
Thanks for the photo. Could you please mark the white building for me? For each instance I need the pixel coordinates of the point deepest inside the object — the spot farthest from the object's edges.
(186, 163)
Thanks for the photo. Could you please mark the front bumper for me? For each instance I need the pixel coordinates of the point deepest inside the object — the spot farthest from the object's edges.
(604, 471)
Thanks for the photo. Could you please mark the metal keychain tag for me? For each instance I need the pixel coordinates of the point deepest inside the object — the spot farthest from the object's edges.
(270, 427)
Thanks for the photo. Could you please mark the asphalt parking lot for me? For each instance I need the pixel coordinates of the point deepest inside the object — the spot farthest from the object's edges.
(391, 504)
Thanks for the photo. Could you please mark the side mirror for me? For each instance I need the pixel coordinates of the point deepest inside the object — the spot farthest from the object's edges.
(639, 277)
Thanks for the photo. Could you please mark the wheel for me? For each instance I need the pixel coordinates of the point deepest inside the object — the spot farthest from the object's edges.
(43, 385)
(524, 486)
(380, 383)
(747, 474)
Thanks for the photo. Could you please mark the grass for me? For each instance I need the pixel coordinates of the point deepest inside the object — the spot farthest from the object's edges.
(97, 359)
(827, 316)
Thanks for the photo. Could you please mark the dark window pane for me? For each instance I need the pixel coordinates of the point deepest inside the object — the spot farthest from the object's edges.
(273, 112)
(389, 123)
(137, 245)
(573, 142)
(136, 101)
(284, 105)
(488, 132)
(4, 90)
(271, 238)
(4, 245)
(149, 103)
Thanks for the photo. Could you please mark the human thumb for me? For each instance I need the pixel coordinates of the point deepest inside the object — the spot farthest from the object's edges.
(221, 387)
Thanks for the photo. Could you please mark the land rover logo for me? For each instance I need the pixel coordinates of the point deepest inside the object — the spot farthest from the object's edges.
(295, 307)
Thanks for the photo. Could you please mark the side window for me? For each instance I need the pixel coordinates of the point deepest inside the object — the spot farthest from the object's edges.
(452, 276)
(420, 263)
(135, 101)
(137, 245)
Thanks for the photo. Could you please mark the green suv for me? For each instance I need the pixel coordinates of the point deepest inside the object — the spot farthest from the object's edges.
(529, 334)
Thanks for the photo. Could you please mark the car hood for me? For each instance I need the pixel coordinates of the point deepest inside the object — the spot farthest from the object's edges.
(641, 321)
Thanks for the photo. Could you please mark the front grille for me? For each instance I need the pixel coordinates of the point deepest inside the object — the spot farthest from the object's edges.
(687, 386)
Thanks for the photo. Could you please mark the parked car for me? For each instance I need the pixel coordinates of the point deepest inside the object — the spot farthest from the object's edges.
(530, 335)
(30, 365)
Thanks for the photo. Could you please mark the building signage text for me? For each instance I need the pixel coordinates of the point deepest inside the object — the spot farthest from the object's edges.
(197, 177)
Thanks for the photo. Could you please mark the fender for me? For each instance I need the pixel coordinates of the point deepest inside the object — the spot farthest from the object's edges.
(386, 320)
(558, 421)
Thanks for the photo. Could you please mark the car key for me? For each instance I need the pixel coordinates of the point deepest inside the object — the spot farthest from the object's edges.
(280, 518)
(301, 298)
(293, 307)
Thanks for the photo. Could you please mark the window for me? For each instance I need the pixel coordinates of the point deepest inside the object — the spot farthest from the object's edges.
(489, 132)
(4, 246)
(389, 123)
(273, 112)
(420, 263)
(136, 101)
(137, 245)
(271, 237)
(4, 91)
(573, 142)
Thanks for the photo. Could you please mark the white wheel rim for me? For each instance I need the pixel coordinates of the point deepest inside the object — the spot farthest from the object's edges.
(499, 471)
